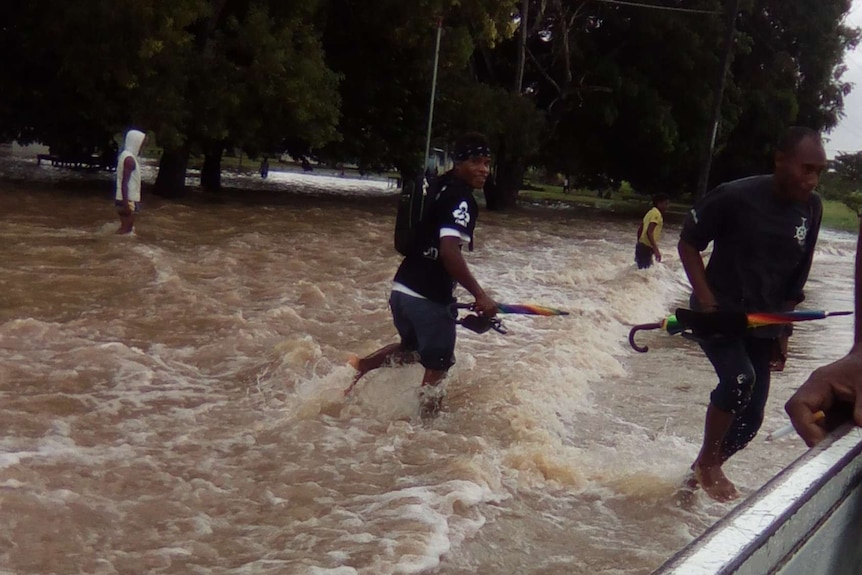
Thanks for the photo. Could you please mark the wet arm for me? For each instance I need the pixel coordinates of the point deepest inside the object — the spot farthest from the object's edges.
(453, 262)
(651, 237)
(128, 168)
(692, 262)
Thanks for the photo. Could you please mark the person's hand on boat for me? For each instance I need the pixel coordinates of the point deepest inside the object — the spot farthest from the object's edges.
(833, 389)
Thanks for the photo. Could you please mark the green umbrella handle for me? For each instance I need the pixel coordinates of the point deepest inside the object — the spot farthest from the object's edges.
(637, 328)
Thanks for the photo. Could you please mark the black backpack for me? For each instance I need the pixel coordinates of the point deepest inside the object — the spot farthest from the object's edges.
(416, 199)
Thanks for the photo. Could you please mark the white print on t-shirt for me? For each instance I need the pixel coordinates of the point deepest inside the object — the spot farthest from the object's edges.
(462, 214)
(801, 233)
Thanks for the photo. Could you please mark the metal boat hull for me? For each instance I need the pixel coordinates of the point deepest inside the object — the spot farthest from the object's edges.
(807, 520)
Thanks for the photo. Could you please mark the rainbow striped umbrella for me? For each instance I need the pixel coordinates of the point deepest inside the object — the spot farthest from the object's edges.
(519, 308)
(725, 323)
(770, 318)
(528, 309)
(483, 324)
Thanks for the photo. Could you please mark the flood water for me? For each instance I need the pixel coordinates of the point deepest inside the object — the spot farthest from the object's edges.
(171, 402)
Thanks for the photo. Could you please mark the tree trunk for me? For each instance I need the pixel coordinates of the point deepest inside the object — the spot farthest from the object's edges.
(211, 171)
(510, 175)
(171, 179)
(501, 191)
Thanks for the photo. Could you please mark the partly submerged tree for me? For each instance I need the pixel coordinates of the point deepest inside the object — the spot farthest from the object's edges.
(199, 74)
(250, 73)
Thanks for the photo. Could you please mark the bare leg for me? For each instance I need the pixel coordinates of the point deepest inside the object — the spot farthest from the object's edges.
(127, 224)
(392, 352)
(433, 400)
(707, 466)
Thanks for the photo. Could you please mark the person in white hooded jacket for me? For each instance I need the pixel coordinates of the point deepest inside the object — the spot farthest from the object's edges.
(128, 195)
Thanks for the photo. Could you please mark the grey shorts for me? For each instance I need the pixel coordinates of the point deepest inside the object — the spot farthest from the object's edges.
(426, 327)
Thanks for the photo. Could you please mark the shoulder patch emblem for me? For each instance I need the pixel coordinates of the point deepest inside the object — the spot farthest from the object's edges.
(462, 214)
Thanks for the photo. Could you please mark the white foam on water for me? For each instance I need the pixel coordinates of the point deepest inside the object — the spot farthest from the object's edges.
(177, 404)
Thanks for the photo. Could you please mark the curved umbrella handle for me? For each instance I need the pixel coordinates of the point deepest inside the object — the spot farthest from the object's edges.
(637, 328)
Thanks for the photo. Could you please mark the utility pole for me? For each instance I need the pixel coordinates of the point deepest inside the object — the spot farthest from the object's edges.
(433, 97)
(718, 95)
(522, 47)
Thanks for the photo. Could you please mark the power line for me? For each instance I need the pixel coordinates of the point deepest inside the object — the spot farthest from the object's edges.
(657, 7)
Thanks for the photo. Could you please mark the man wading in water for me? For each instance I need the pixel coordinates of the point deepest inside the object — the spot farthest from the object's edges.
(425, 280)
(764, 229)
(127, 198)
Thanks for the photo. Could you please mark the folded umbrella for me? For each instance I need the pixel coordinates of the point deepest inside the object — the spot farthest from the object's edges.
(724, 323)
(481, 324)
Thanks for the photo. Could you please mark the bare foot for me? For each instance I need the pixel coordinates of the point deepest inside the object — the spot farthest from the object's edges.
(356, 363)
(690, 480)
(430, 402)
(715, 482)
(685, 495)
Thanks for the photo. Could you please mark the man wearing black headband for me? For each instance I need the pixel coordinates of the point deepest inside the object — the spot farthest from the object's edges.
(425, 281)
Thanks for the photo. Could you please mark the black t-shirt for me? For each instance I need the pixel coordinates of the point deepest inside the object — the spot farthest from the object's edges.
(453, 212)
(763, 246)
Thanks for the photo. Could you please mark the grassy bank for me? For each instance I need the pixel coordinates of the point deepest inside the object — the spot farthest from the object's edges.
(633, 205)
(836, 215)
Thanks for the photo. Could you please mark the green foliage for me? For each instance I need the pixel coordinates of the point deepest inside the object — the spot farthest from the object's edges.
(844, 182)
(837, 216)
(626, 190)
(384, 51)
(191, 71)
(787, 70)
(853, 200)
(629, 90)
(610, 92)
(509, 120)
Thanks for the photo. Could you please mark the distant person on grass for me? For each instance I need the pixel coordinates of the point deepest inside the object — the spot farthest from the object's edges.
(127, 198)
(649, 232)
(423, 287)
(763, 229)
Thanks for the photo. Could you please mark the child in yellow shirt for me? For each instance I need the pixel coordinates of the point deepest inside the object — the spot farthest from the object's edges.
(649, 232)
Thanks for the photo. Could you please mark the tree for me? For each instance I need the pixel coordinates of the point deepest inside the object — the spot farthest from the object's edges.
(200, 74)
(624, 89)
(252, 73)
(844, 183)
(787, 71)
(64, 89)
(384, 51)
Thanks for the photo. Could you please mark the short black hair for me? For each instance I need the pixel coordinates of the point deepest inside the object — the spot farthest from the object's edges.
(469, 141)
(793, 135)
(659, 198)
